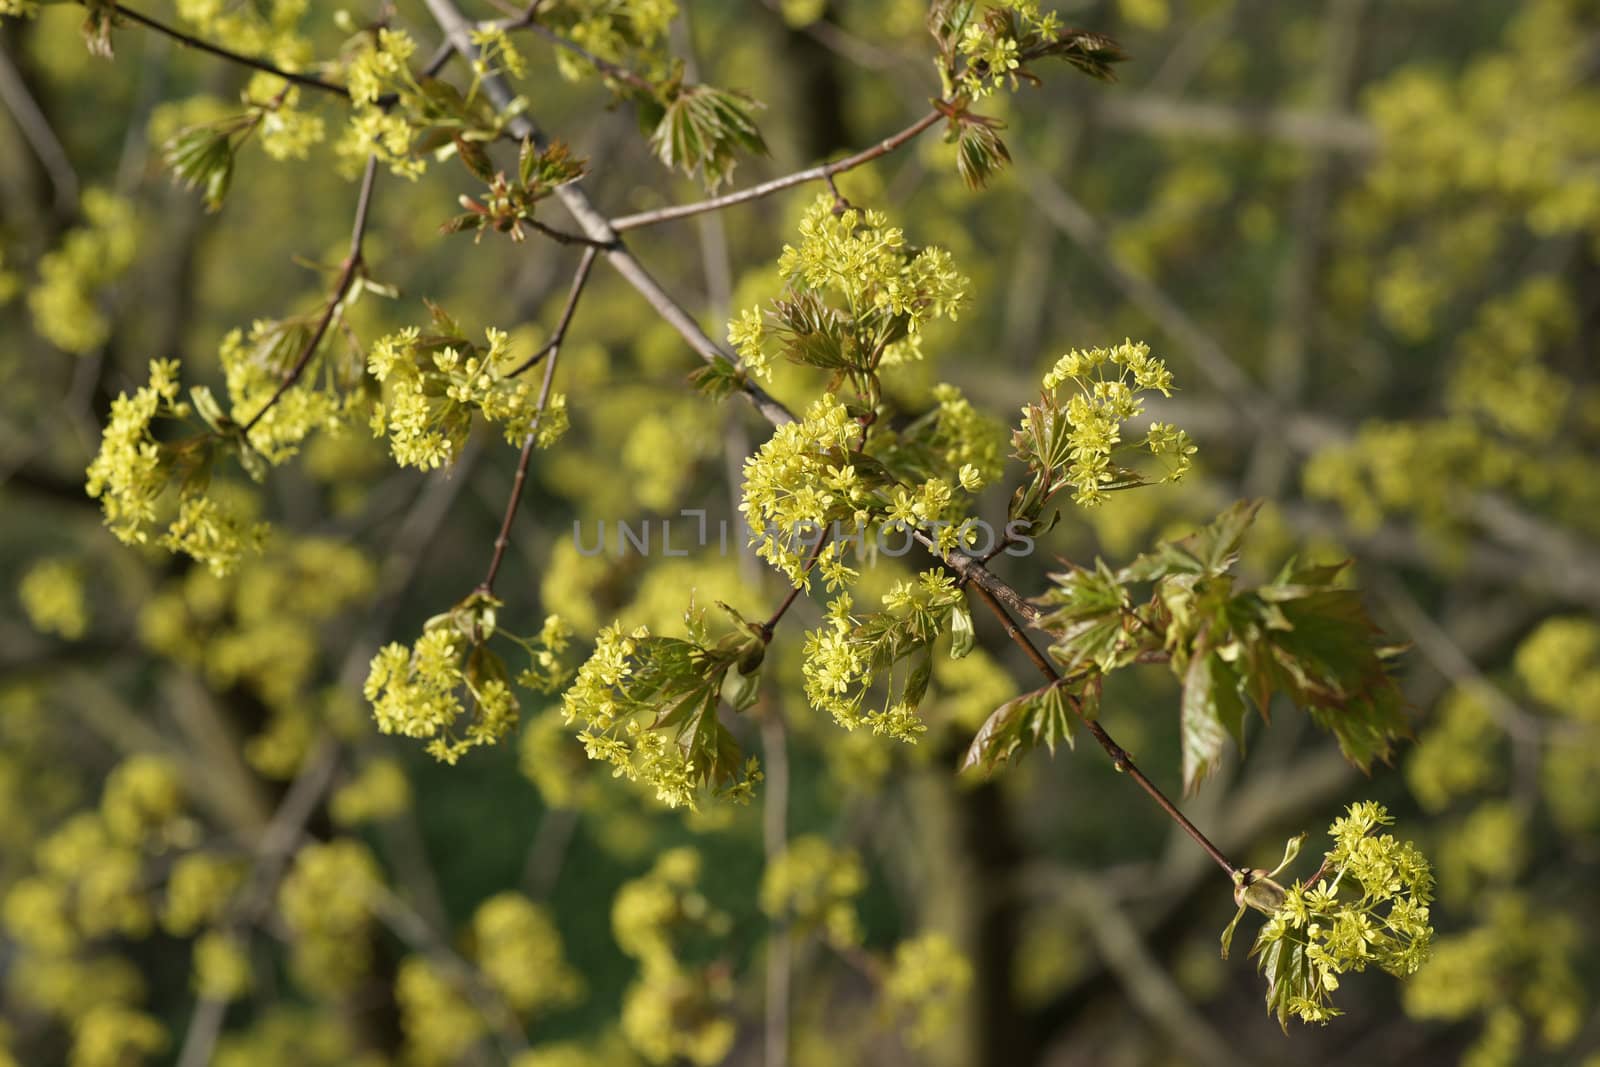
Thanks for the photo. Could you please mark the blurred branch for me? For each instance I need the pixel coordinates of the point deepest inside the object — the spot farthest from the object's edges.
(41, 137)
(774, 840)
(1072, 219)
(273, 849)
(1189, 120)
(1295, 300)
(1144, 981)
(594, 225)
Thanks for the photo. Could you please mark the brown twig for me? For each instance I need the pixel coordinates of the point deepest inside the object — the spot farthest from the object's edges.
(308, 80)
(341, 288)
(1119, 755)
(825, 172)
(565, 238)
(553, 349)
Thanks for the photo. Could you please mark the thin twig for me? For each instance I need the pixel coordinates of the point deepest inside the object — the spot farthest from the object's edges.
(459, 31)
(825, 172)
(579, 279)
(347, 276)
(273, 849)
(1119, 755)
(308, 80)
(520, 479)
(794, 590)
(565, 238)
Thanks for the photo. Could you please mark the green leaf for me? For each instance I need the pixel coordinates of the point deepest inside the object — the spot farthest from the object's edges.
(740, 689)
(1288, 971)
(962, 634)
(718, 379)
(1209, 551)
(812, 334)
(1043, 716)
(702, 129)
(1211, 705)
(980, 153)
(474, 158)
(1227, 933)
(202, 157)
(1094, 54)
(1088, 613)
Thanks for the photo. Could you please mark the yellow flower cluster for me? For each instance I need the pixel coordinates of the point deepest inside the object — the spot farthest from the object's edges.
(64, 302)
(432, 391)
(326, 901)
(617, 726)
(626, 34)
(518, 947)
(676, 1010)
(133, 470)
(855, 301)
(286, 131)
(438, 1021)
(844, 657)
(813, 885)
(266, 29)
(1369, 908)
(380, 67)
(221, 967)
(1077, 445)
(255, 367)
(378, 792)
(793, 492)
(925, 986)
(51, 592)
(199, 889)
(415, 692)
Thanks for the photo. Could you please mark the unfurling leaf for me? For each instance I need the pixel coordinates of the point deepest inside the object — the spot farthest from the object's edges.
(980, 153)
(702, 129)
(1044, 716)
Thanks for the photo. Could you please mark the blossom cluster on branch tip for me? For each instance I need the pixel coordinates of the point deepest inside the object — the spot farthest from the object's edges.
(856, 298)
(425, 691)
(1078, 444)
(133, 471)
(1367, 906)
(433, 383)
(648, 705)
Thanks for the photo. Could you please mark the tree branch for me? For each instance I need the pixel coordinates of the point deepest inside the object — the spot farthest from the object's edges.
(347, 276)
(308, 80)
(553, 348)
(1119, 756)
(825, 172)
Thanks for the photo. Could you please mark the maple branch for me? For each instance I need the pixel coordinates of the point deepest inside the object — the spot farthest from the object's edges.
(310, 81)
(341, 288)
(1119, 755)
(553, 350)
(824, 172)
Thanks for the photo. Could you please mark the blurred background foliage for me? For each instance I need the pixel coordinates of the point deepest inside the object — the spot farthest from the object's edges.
(1365, 236)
